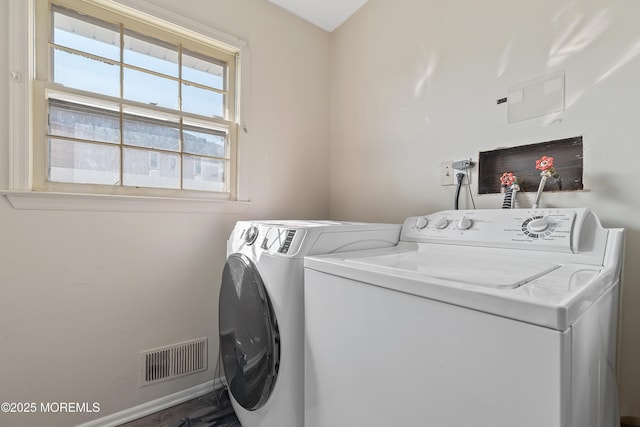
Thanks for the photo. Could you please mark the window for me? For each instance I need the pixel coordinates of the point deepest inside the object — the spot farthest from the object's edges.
(124, 105)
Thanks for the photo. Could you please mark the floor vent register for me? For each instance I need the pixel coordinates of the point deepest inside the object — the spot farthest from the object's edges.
(173, 361)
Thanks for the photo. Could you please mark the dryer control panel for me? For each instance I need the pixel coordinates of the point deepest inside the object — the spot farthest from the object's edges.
(555, 230)
(281, 240)
(266, 238)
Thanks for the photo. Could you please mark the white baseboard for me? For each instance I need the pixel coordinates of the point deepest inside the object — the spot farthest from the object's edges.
(154, 406)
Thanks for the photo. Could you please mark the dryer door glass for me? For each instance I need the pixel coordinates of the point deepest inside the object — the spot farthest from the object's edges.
(249, 338)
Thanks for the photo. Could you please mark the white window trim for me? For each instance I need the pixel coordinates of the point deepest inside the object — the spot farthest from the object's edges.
(20, 51)
(21, 69)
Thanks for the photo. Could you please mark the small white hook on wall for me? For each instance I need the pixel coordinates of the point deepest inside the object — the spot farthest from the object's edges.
(17, 76)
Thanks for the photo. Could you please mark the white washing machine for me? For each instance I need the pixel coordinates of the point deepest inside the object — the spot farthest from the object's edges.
(489, 318)
(261, 310)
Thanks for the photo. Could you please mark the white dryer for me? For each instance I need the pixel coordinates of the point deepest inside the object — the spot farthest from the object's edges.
(490, 318)
(261, 310)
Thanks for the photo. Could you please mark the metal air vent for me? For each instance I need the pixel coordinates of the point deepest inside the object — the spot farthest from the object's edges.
(166, 363)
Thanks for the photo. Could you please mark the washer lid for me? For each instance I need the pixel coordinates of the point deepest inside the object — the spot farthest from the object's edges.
(529, 286)
(479, 270)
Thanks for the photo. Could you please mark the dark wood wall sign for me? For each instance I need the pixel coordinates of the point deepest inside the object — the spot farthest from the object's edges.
(521, 161)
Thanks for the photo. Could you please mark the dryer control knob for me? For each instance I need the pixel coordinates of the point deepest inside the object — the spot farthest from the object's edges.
(464, 223)
(421, 223)
(442, 223)
(538, 225)
(251, 235)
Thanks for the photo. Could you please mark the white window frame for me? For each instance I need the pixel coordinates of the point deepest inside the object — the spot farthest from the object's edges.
(21, 134)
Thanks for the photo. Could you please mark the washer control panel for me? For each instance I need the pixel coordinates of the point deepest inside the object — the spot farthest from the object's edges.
(538, 226)
(543, 229)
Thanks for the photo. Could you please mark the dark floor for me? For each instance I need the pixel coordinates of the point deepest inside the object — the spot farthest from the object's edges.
(214, 410)
(211, 410)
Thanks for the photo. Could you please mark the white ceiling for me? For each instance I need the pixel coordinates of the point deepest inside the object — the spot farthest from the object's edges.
(326, 14)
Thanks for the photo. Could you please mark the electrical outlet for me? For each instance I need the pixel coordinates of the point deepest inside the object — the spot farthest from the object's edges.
(446, 173)
(462, 166)
(465, 178)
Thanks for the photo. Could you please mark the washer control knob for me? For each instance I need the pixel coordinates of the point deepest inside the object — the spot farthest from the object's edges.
(442, 223)
(251, 235)
(464, 223)
(421, 222)
(538, 225)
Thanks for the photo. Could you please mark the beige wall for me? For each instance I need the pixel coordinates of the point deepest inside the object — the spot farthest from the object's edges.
(82, 293)
(414, 83)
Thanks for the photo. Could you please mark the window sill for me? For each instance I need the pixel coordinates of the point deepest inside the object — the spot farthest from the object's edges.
(35, 200)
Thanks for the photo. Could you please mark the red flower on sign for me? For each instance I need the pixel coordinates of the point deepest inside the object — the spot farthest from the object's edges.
(507, 179)
(544, 163)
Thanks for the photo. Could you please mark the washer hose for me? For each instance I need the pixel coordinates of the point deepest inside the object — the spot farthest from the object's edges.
(459, 177)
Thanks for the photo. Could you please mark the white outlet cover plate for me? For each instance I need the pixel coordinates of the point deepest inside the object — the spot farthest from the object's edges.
(446, 173)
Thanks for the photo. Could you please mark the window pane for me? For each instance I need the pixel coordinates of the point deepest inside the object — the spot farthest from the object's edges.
(202, 101)
(202, 69)
(150, 54)
(83, 122)
(131, 106)
(87, 34)
(83, 163)
(204, 141)
(200, 173)
(151, 132)
(145, 168)
(149, 89)
(80, 72)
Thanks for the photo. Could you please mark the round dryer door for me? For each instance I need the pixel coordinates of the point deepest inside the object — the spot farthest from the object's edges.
(249, 338)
